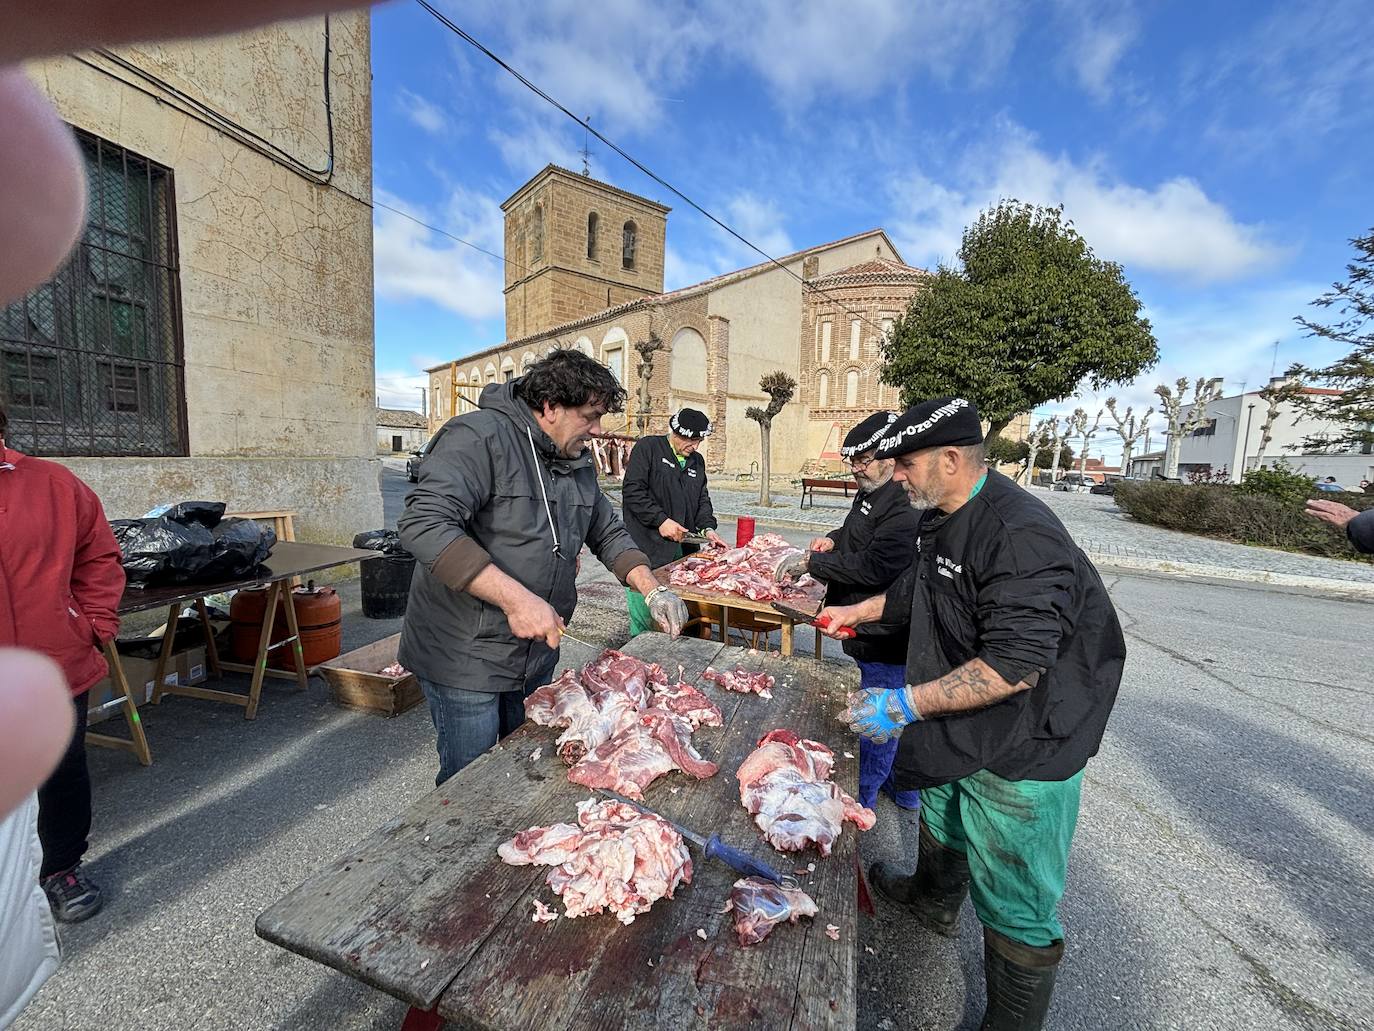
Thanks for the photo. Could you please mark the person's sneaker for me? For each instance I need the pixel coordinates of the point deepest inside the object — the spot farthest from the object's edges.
(72, 895)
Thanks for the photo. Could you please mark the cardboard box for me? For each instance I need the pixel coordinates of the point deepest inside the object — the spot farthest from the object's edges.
(183, 667)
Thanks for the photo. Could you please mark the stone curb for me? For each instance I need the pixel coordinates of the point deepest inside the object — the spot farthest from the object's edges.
(1192, 570)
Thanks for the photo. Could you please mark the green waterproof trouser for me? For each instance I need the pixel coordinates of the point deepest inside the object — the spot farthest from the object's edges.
(640, 620)
(1016, 834)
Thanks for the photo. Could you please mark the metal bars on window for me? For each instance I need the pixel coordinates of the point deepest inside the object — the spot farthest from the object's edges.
(91, 362)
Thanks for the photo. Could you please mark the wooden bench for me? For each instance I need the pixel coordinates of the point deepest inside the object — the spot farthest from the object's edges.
(811, 487)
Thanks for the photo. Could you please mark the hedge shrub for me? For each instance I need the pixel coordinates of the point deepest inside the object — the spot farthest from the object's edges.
(1247, 517)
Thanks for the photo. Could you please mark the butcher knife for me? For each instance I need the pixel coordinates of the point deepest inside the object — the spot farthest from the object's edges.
(714, 848)
(845, 632)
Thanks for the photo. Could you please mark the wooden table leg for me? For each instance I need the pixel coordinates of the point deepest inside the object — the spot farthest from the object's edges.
(787, 625)
(725, 624)
(293, 627)
(269, 619)
(211, 650)
(137, 743)
(165, 655)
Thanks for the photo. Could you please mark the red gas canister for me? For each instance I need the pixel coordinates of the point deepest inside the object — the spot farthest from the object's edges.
(744, 531)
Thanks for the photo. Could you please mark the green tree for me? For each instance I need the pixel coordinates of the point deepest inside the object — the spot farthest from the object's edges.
(779, 387)
(1353, 409)
(1028, 317)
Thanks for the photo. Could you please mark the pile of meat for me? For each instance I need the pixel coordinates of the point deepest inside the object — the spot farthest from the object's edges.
(626, 725)
(742, 681)
(760, 905)
(616, 858)
(746, 571)
(785, 784)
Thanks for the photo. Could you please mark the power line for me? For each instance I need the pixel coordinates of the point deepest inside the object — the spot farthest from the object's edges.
(587, 126)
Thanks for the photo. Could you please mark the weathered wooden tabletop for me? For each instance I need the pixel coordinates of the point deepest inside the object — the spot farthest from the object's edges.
(811, 603)
(425, 910)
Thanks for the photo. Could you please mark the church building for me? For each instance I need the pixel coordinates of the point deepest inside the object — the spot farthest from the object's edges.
(584, 269)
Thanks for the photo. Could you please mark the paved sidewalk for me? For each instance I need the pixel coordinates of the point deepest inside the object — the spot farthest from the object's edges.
(1111, 538)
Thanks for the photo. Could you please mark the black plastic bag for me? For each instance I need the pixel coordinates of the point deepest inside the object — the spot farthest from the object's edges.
(207, 513)
(241, 545)
(388, 542)
(161, 551)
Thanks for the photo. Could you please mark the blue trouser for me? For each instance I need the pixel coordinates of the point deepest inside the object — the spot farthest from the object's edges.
(467, 723)
(875, 761)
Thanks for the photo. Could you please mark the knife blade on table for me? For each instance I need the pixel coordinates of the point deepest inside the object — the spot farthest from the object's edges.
(844, 632)
(714, 848)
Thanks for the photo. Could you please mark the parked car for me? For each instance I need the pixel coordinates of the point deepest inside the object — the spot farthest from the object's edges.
(1075, 483)
(413, 462)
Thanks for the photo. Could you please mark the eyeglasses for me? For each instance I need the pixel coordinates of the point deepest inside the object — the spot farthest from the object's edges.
(860, 464)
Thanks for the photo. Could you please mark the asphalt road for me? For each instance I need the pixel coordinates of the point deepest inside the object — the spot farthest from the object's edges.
(1222, 875)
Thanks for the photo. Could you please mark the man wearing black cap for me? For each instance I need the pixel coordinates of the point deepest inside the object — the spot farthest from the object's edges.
(665, 499)
(1013, 665)
(872, 548)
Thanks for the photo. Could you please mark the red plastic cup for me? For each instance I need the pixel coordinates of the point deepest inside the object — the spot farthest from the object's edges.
(744, 531)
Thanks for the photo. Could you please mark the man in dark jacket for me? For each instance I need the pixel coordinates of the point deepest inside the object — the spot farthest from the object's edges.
(60, 585)
(665, 499)
(507, 498)
(1013, 665)
(874, 546)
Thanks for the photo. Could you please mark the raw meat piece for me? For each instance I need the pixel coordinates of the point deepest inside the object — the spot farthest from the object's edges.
(742, 681)
(656, 743)
(542, 913)
(785, 784)
(616, 671)
(746, 571)
(394, 670)
(595, 703)
(617, 858)
(685, 700)
(760, 905)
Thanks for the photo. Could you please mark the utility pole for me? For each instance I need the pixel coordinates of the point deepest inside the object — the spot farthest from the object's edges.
(424, 403)
(1245, 446)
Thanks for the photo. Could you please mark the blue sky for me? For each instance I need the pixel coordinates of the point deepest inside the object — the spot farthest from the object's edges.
(1222, 157)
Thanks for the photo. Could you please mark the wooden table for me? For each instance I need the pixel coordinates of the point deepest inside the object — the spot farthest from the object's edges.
(424, 910)
(287, 561)
(760, 611)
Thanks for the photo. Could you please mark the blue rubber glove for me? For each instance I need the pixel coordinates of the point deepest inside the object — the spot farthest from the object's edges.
(879, 714)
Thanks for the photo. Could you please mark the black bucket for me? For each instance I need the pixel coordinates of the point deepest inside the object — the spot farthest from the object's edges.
(386, 586)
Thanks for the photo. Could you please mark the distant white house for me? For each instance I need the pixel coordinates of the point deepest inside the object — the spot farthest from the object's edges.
(1146, 465)
(400, 431)
(1229, 440)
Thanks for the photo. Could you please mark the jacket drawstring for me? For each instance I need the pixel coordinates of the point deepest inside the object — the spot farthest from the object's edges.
(548, 510)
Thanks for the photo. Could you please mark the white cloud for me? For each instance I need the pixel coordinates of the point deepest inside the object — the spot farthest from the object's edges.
(759, 220)
(1172, 228)
(397, 389)
(680, 271)
(424, 113)
(412, 263)
(1096, 35)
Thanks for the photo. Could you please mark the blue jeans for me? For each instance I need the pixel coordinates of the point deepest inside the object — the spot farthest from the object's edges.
(875, 761)
(467, 723)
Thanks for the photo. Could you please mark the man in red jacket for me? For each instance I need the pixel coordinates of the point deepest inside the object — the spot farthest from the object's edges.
(60, 583)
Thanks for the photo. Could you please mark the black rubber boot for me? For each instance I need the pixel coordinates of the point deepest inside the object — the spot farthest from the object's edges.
(1020, 982)
(934, 893)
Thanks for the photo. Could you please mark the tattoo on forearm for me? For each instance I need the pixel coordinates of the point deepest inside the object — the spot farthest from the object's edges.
(973, 685)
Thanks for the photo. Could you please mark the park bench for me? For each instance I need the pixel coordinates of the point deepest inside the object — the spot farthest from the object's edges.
(812, 487)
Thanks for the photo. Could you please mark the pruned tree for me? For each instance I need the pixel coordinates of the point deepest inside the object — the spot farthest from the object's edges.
(1058, 435)
(1274, 396)
(1171, 404)
(779, 387)
(1352, 410)
(1087, 433)
(1036, 441)
(646, 349)
(1128, 430)
(1027, 318)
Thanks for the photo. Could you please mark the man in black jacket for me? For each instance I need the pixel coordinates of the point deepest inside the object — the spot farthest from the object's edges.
(1013, 665)
(873, 547)
(665, 499)
(507, 498)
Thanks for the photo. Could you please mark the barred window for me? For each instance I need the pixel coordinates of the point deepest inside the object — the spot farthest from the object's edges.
(91, 362)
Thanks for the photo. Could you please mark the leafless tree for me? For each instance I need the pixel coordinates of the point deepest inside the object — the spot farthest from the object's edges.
(1172, 402)
(1274, 395)
(646, 349)
(779, 387)
(1058, 435)
(1036, 441)
(1128, 430)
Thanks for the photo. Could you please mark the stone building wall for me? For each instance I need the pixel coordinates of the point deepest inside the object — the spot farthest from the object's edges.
(275, 268)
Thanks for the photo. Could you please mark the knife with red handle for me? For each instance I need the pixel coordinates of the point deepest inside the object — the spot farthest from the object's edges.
(820, 622)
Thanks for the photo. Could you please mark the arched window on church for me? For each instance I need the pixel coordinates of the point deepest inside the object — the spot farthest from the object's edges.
(851, 389)
(627, 247)
(537, 234)
(592, 221)
(823, 390)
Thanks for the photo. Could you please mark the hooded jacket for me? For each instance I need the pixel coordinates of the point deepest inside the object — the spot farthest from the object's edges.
(1000, 579)
(657, 488)
(873, 547)
(60, 572)
(479, 501)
